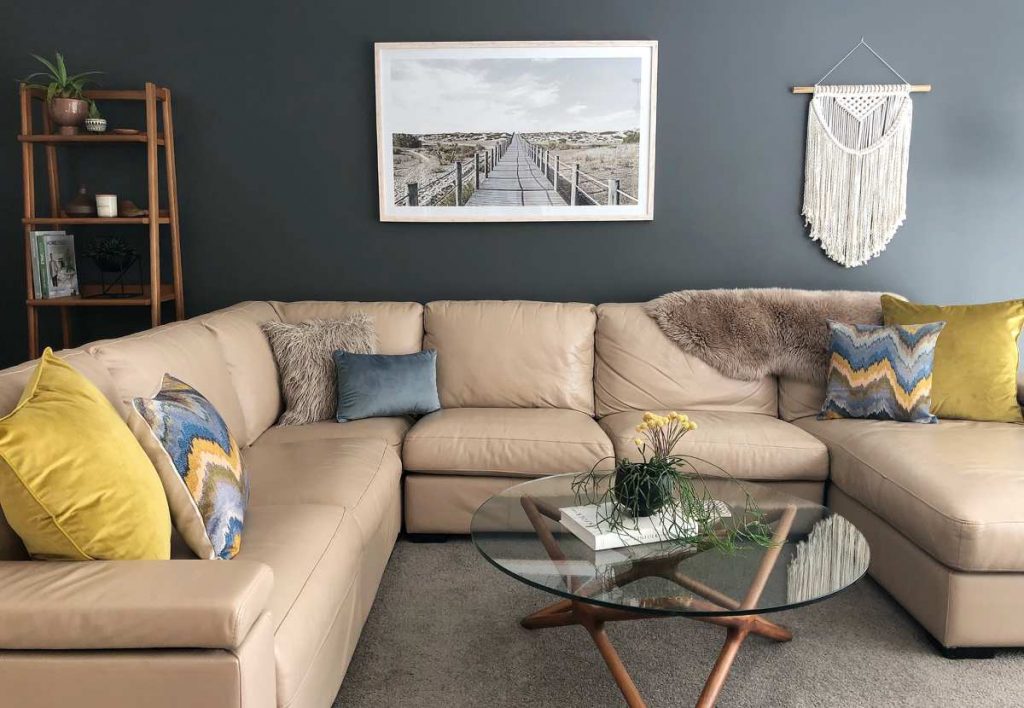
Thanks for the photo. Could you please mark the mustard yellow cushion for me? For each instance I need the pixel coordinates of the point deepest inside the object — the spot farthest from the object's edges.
(74, 482)
(975, 372)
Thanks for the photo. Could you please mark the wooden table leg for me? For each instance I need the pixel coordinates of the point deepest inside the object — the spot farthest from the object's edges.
(733, 639)
(570, 612)
(737, 633)
(615, 665)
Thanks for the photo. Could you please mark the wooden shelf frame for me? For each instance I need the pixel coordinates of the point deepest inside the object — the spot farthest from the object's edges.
(90, 138)
(158, 111)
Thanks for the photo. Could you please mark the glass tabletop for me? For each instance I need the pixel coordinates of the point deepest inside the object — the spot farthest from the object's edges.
(815, 554)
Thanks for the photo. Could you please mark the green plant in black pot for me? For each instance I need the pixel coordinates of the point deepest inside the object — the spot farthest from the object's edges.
(111, 255)
(669, 484)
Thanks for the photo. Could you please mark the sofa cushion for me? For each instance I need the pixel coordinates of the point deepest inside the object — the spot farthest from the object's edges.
(510, 442)
(746, 445)
(512, 354)
(639, 368)
(74, 482)
(14, 379)
(199, 464)
(956, 489)
(250, 363)
(399, 324)
(361, 475)
(304, 354)
(187, 351)
(800, 399)
(391, 430)
(315, 552)
(12, 385)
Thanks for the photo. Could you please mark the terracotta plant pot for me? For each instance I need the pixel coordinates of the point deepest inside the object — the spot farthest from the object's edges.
(69, 113)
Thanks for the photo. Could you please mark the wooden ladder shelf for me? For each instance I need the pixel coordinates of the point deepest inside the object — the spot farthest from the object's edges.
(155, 293)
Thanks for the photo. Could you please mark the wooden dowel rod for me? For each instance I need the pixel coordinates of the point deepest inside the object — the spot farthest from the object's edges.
(914, 88)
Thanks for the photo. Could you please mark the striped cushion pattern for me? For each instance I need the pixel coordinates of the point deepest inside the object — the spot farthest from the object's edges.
(200, 465)
(882, 373)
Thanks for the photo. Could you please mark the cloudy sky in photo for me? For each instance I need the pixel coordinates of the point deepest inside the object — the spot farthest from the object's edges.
(520, 95)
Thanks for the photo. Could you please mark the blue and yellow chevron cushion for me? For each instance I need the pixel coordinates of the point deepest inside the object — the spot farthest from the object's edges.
(199, 464)
(883, 373)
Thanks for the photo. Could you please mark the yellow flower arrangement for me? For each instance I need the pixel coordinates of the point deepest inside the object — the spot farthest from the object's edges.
(664, 478)
(661, 433)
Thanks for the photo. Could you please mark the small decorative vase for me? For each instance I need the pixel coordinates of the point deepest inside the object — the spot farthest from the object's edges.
(641, 494)
(69, 113)
(96, 125)
(81, 205)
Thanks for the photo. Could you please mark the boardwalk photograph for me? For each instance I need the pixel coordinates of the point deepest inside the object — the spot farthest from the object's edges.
(516, 131)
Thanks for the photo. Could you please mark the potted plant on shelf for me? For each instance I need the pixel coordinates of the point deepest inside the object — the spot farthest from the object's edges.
(68, 108)
(95, 123)
(668, 483)
(111, 255)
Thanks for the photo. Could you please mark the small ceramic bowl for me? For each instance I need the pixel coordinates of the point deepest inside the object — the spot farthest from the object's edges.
(96, 125)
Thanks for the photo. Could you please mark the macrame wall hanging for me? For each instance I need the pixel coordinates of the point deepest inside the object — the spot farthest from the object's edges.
(858, 155)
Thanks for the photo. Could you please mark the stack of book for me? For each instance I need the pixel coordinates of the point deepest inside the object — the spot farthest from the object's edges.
(54, 271)
(588, 523)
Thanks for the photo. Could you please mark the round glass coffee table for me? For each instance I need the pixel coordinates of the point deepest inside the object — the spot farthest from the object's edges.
(814, 555)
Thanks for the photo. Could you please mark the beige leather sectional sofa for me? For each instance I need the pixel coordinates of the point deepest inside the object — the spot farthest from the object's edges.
(527, 389)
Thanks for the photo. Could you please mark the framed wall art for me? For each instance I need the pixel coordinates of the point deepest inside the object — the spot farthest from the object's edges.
(516, 131)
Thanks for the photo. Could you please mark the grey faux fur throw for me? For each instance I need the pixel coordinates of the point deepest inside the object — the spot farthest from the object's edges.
(748, 334)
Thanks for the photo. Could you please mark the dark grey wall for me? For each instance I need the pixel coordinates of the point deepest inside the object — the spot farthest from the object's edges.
(276, 147)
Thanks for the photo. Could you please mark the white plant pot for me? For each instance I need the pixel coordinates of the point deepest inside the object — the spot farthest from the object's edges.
(96, 125)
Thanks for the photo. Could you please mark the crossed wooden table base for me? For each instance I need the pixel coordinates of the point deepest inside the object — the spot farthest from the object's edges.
(593, 617)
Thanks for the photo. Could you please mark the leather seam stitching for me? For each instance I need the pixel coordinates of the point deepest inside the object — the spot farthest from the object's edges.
(369, 482)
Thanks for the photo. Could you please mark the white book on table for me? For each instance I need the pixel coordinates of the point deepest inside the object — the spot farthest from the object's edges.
(585, 522)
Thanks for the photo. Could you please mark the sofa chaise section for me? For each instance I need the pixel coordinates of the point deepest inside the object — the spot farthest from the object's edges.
(943, 509)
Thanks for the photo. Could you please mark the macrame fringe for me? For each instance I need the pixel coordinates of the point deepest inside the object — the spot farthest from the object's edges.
(855, 176)
(834, 555)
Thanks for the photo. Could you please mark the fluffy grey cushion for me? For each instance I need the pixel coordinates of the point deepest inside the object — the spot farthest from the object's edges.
(305, 363)
(749, 334)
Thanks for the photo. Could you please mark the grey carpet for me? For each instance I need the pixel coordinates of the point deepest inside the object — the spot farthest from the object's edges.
(444, 632)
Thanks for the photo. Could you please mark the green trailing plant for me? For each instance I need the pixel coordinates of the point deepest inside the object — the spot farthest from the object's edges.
(59, 82)
(670, 484)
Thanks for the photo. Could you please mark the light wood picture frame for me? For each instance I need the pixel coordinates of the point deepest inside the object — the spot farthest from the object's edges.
(516, 131)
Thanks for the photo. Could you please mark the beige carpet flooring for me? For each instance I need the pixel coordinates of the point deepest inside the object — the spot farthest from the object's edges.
(444, 632)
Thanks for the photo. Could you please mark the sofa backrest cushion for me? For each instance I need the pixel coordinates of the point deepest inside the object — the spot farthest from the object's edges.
(250, 363)
(12, 385)
(187, 351)
(512, 354)
(399, 324)
(639, 368)
(800, 399)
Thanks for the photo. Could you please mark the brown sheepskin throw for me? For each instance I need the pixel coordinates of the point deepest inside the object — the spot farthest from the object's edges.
(749, 334)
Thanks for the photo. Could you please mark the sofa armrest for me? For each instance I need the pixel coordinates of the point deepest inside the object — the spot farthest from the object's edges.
(201, 604)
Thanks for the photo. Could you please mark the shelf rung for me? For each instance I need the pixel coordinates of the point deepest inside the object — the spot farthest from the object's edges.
(85, 220)
(89, 138)
(166, 295)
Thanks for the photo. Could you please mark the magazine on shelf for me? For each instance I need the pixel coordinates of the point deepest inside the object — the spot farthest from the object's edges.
(585, 522)
(55, 273)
